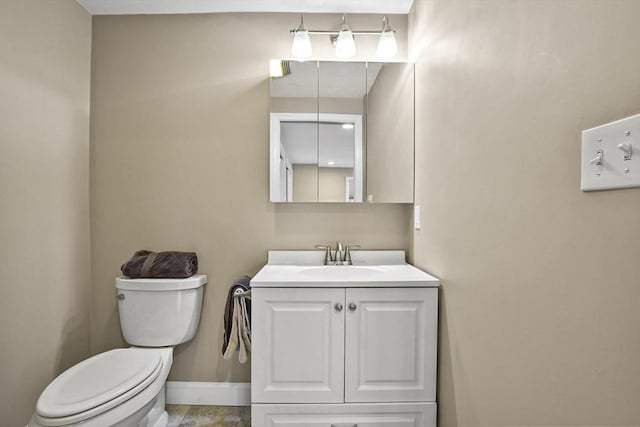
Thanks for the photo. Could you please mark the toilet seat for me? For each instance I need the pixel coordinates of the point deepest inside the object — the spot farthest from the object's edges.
(97, 384)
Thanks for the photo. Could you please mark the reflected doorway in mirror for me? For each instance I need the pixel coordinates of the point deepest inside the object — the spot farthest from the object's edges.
(316, 157)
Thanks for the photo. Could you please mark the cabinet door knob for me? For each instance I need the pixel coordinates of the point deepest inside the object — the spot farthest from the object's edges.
(352, 306)
(338, 306)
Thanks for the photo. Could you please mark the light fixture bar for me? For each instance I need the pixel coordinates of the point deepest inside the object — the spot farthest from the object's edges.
(343, 39)
(336, 32)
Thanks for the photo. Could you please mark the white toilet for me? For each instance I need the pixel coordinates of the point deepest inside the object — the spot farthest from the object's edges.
(125, 387)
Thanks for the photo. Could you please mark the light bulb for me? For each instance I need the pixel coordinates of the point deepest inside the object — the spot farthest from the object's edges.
(387, 45)
(345, 45)
(301, 46)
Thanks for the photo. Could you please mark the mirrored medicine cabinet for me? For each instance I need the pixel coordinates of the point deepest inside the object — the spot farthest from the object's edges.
(342, 132)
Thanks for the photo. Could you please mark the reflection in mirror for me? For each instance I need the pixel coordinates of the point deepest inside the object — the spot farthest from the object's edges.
(320, 115)
(317, 132)
(294, 133)
(298, 140)
(342, 89)
(390, 132)
(308, 173)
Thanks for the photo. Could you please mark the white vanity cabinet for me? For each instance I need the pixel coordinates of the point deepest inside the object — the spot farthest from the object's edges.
(390, 344)
(337, 352)
(297, 350)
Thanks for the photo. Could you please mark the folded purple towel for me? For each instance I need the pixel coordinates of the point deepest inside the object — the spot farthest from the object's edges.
(161, 265)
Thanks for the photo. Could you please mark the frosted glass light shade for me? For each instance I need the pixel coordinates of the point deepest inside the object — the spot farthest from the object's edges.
(301, 46)
(345, 45)
(387, 45)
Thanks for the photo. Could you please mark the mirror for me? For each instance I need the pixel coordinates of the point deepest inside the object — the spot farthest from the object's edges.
(321, 115)
(390, 133)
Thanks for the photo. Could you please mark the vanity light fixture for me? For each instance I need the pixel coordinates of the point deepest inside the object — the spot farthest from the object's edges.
(343, 40)
(331, 163)
(301, 46)
(345, 45)
(387, 45)
(347, 126)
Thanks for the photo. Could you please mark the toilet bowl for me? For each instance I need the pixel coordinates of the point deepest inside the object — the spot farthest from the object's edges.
(125, 387)
(115, 388)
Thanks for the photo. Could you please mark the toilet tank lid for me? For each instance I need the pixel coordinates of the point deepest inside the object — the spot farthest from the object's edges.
(192, 282)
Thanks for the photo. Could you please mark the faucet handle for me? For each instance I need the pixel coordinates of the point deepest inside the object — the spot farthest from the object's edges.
(328, 257)
(347, 253)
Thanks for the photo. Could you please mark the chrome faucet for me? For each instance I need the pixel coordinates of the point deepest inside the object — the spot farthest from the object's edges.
(339, 258)
(341, 255)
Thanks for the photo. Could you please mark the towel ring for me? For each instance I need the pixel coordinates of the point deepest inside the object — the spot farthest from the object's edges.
(239, 293)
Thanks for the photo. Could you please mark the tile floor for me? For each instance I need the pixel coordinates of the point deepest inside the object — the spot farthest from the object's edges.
(209, 416)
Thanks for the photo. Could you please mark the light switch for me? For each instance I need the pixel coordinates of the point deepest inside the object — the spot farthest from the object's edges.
(611, 155)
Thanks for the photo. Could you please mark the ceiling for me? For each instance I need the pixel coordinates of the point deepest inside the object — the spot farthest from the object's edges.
(299, 140)
(148, 7)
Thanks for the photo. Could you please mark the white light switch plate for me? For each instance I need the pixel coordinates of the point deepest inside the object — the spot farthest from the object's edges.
(615, 171)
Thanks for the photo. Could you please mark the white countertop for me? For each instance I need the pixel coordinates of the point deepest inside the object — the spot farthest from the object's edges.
(308, 271)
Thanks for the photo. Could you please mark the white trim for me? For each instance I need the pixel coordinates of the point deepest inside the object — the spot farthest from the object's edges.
(359, 161)
(275, 144)
(295, 117)
(208, 393)
(274, 160)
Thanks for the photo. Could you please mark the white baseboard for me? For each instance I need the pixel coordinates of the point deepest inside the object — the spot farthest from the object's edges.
(213, 394)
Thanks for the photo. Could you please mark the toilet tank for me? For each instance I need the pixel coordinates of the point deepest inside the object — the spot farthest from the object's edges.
(159, 312)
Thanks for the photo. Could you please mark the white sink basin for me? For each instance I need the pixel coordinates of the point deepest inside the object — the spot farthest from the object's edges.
(342, 272)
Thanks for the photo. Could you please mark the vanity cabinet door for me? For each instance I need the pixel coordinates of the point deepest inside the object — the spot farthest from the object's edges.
(390, 353)
(298, 345)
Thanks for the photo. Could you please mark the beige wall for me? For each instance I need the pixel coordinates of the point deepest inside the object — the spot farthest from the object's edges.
(390, 130)
(540, 281)
(310, 105)
(44, 198)
(332, 184)
(179, 160)
(311, 183)
(305, 183)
